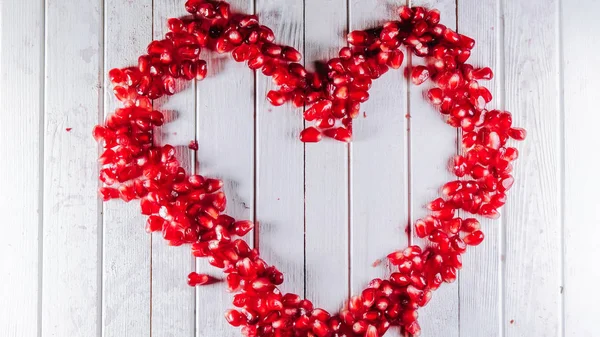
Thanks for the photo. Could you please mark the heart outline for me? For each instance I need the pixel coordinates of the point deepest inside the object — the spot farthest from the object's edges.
(136, 182)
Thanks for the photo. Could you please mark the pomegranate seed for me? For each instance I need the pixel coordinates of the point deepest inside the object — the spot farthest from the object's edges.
(321, 329)
(451, 36)
(201, 70)
(358, 37)
(116, 76)
(452, 187)
(372, 331)
(436, 205)
(474, 239)
(483, 74)
(409, 316)
(421, 228)
(470, 225)
(193, 145)
(234, 317)
(310, 135)
(276, 98)
(395, 59)
(420, 74)
(242, 228)
(517, 133)
(341, 134)
(175, 25)
(435, 96)
(195, 279)
(291, 54)
(405, 13)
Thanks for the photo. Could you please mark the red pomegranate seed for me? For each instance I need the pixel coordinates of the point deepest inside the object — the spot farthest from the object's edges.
(435, 96)
(359, 96)
(470, 225)
(276, 98)
(360, 327)
(341, 134)
(195, 279)
(421, 228)
(321, 329)
(452, 187)
(201, 70)
(483, 74)
(405, 13)
(175, 25)
(409, 316)
(413, 329)
(310, 135)
(436, 205)
(193, 145)
(451, 36)
(419, 75)
(372, 331)
(395, 59)
(517, 133)
(116, 76)
(358, 37)
(291, 54)
(234, 317)
(242, 228)
(474, 239)
(433, 17)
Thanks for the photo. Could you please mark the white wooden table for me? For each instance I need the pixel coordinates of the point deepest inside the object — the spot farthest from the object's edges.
(73, 266)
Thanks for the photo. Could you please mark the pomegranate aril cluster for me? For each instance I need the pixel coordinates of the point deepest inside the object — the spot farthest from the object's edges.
(188, 209)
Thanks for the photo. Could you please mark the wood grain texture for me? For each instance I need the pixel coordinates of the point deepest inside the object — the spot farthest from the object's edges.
(326, 212)
(379, 166)
(433, 144)
(173, 301)
(480, 300)
(21, 71)
(72, 228)
(581, 213)
(280, 158)
(533, 213)
(126, 269)
(225, 133)
(326, 165)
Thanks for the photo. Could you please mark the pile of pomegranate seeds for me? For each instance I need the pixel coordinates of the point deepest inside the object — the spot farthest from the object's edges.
(189, 208)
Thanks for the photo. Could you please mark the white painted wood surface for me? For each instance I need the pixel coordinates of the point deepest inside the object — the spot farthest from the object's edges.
(581, 181)
(71, 263)
(127, 247)
(479, 287)
(532, 216)
(326, 185)
(326, 212)
(379, 161)
(21, 138)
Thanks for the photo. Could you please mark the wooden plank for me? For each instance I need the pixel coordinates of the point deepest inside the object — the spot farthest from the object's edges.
(225, 133)
(72, 228)
(173, 301)
(479, 280)
(326, 164)
(379, 165)
(280, 158)
(533, 213)
(126, 260)
(433, 143)
(581, 181)
(21, 98)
